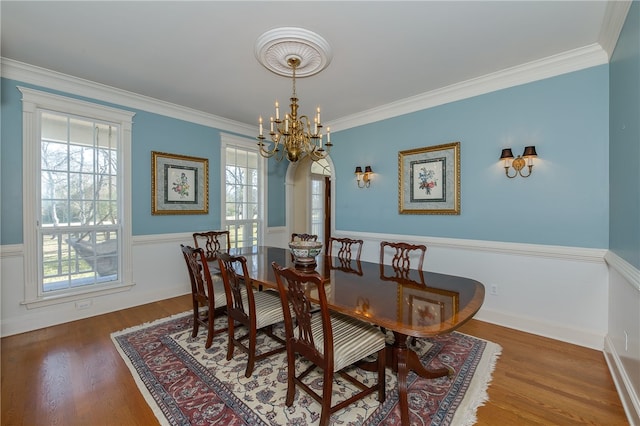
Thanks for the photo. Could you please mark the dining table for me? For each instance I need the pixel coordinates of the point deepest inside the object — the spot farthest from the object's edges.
(408, 303)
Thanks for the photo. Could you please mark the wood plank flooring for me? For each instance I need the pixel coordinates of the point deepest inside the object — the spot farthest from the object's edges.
(71, 374)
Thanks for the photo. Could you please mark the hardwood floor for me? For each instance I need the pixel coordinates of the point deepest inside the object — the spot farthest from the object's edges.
(71, 374)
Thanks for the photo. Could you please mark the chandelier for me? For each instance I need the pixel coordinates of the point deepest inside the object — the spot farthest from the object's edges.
(297, 136)
(293, 51)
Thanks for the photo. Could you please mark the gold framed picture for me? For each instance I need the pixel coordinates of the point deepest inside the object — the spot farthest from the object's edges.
(429, 180)
(179, 184)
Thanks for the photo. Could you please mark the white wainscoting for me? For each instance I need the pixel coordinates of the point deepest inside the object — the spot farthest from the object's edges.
(159, 272)
(622, 344)
(559, 292)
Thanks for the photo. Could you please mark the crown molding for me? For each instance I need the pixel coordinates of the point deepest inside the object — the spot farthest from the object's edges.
(573, 60)
(38, 76)
(614, 18)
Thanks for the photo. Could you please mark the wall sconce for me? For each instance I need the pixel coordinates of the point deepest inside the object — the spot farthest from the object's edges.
(364, 177)
(518, 164)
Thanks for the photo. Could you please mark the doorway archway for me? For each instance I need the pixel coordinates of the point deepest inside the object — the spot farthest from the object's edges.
(299, 195)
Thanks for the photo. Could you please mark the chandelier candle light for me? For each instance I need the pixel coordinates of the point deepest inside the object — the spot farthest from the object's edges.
(297, 135)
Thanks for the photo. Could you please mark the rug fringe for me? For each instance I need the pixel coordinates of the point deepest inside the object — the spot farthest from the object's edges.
(477, 391)
(148, 323)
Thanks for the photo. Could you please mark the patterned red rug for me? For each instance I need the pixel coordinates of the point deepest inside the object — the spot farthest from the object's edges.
(187, 385)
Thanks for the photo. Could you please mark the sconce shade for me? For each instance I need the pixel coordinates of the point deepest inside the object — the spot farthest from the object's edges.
(507, 154)
(367, 169)
(358, 169)
(529, 151)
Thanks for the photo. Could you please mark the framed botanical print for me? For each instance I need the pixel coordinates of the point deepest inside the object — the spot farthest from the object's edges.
(179, 184)
(429, 180)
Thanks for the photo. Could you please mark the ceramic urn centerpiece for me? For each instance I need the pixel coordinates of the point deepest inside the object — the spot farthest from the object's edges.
(304, 253)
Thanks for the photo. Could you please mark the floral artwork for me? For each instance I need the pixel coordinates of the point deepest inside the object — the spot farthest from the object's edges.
(179, 184)
(429, 180)
(178, 188)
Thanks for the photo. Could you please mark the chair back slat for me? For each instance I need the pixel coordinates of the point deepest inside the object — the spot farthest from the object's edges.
(401, 262)
(347, 248)
(212, 242)
(402, 253)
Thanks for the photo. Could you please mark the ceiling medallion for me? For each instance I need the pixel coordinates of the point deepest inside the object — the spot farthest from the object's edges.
(275, 47)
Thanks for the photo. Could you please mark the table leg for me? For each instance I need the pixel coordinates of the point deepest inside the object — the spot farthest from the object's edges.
(401, 359)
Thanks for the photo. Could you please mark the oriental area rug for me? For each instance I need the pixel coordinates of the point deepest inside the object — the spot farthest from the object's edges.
(185, 384)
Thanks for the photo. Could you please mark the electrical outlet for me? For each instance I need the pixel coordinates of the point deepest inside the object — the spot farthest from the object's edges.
(494, 289)
(84, 304)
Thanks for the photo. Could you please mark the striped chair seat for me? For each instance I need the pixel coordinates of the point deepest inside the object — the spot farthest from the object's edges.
(268, 308)
(219, 296)
(353, 339)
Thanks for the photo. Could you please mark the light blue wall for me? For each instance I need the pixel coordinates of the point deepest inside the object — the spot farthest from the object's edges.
(276, 175)
(624, 205)
(151, 132)
(565, 201)
(10, 163)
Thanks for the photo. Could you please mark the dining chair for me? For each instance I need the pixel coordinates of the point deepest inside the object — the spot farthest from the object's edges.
(330, 340)
(212, 242)
(303, 237)
(207, 293)
(345, 248)
(402, 254)
(256, 310)
(345, 254)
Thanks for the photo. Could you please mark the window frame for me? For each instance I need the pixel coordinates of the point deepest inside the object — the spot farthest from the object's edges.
(228, 140)
(34, 101)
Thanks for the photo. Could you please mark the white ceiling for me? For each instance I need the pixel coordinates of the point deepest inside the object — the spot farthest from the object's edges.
(201, 54)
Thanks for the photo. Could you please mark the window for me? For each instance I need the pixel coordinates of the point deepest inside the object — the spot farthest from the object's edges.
(76, 209)
(317, 205)
(242, 192)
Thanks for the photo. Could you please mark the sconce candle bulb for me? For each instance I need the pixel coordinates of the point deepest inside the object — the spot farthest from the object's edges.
(519, 162)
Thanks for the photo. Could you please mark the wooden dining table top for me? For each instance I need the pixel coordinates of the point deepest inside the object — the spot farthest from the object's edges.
(420, 303)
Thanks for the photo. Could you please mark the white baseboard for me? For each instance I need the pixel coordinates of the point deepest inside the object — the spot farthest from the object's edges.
(554, 331)
(628, 395)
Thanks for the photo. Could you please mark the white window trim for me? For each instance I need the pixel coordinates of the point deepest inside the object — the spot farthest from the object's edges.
(227, 139)
(32, 101)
